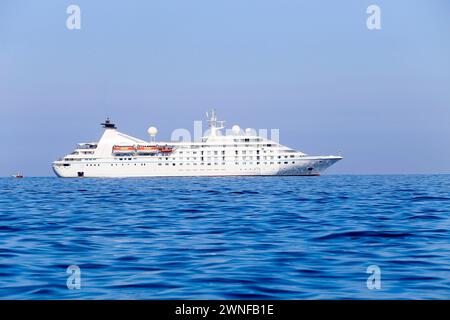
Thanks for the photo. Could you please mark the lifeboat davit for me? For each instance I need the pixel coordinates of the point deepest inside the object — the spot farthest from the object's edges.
(123, 149)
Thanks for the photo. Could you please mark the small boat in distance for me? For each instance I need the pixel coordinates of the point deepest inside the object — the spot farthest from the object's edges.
(17, 175)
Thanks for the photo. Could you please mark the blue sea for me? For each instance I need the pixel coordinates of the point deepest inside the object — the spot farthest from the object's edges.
(226, 238)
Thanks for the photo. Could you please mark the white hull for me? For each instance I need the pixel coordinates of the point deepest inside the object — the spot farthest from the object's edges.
(111, 169)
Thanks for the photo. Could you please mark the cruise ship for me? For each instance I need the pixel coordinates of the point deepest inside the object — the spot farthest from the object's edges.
(240, 153)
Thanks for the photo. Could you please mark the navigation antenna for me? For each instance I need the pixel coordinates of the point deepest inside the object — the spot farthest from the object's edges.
(214, 124)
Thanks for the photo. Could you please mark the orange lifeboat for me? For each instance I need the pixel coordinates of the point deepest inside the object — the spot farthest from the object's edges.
(147, 149)
(165, 149)
(123, 149)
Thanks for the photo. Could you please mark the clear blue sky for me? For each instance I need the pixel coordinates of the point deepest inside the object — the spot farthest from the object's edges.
(310, 68)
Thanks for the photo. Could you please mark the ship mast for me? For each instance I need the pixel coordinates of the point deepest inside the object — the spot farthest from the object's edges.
(214, 124)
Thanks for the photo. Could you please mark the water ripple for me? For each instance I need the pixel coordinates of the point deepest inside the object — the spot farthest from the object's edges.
(225, 238)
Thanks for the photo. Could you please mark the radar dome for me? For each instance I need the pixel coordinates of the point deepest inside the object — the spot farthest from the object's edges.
(152, 131)
(236, 129)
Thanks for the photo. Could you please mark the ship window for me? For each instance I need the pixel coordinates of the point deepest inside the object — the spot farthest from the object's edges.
(285, 162)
